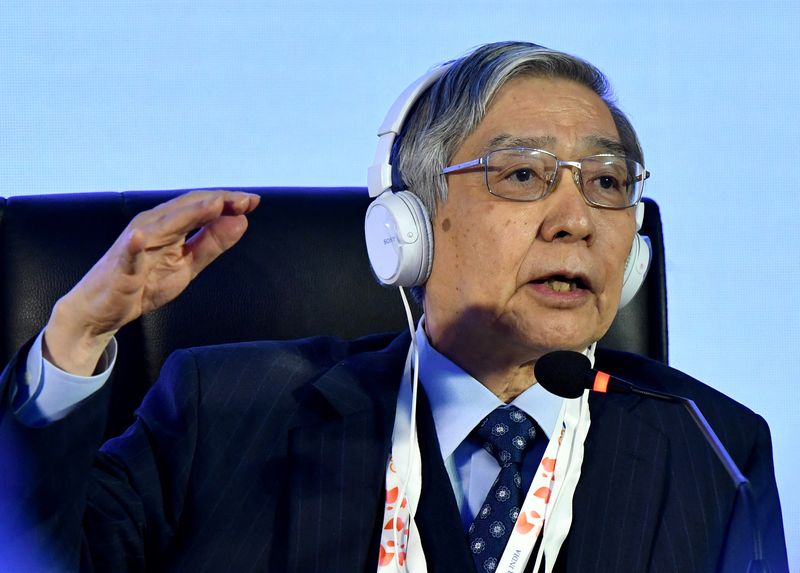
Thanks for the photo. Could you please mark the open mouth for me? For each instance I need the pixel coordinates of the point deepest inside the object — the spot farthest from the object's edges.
(560, 283)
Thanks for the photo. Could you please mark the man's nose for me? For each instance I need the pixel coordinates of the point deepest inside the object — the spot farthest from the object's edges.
(568, 217)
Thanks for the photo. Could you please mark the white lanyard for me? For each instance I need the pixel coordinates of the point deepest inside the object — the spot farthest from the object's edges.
(548, 501)
(403, 487)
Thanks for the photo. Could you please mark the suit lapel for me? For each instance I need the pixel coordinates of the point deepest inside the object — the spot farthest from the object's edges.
(443, 539)
(338, 448)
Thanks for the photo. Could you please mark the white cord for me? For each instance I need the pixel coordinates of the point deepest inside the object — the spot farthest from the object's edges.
(412, 434)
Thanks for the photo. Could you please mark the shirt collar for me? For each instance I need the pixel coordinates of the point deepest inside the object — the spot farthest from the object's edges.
(459, 402)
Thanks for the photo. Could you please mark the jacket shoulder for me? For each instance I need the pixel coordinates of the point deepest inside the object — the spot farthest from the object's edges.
(655, 375)
(242, 376)
(303, 355)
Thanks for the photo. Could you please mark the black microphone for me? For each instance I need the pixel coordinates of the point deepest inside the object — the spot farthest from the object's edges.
(567, 374)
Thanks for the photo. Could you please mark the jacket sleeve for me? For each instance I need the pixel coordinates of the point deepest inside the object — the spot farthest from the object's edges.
(43, 483)
(765, 512)
(69, 504)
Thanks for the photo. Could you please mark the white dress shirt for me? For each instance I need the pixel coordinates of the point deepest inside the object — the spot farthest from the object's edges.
(458, 403)
(52, 393)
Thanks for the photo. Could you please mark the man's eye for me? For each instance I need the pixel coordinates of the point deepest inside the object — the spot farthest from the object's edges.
(522, 175)
(608, 182)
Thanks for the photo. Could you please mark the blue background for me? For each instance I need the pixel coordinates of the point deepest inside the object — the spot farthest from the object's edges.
(173, 94)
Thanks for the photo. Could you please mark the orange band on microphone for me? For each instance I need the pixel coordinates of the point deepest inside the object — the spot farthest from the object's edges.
(601, 382)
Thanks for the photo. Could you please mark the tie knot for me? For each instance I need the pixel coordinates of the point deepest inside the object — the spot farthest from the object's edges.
(506, 433)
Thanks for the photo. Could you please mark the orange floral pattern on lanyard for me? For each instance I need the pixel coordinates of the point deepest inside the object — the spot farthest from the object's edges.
(530, 522)
(395, 530)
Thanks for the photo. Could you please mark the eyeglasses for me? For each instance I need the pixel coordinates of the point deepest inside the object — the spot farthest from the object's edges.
(527, 174)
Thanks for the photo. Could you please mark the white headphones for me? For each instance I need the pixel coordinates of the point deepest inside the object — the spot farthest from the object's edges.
(397, 227)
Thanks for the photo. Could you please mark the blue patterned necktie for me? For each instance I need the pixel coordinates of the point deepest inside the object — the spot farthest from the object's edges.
(507, 433)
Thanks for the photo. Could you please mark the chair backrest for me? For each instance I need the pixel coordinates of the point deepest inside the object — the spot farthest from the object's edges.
(300, 270)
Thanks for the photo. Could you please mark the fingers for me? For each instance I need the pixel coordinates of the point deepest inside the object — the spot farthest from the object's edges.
(171, 221)
(232, 197)
(214, 239)
(240, 205)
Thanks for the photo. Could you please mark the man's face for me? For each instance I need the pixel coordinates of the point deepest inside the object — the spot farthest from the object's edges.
(511, 280)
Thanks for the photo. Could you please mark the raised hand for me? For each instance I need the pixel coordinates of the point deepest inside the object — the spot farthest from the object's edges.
(150, 264)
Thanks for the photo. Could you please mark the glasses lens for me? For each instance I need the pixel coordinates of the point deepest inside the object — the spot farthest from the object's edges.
(611, 181)
(519, 174)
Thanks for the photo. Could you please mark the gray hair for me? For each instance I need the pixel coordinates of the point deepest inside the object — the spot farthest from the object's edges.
(445, 115)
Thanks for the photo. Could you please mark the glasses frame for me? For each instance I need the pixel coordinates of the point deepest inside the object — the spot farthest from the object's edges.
(575, 169)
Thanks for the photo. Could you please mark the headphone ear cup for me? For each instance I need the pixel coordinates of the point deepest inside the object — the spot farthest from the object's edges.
(426, 235)
(399, 239)
(636, 266)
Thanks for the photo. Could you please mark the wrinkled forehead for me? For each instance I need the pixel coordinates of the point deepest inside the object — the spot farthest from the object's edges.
(560, 116)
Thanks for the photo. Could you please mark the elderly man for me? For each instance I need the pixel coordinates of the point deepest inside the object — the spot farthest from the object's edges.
(301, 456)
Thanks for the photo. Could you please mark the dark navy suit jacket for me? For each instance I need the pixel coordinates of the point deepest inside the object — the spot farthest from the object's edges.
(271, 457)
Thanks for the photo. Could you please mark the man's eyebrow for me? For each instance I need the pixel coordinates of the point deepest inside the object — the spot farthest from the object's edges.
(597, 143)
(605, 144)
(505, 140)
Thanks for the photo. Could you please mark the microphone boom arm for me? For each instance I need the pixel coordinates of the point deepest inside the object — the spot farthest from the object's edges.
(701, 422)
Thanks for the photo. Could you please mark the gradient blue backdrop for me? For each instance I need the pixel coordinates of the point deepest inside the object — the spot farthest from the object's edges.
(173, 94)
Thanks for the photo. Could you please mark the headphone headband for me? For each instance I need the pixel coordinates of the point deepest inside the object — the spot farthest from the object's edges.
(379, 175)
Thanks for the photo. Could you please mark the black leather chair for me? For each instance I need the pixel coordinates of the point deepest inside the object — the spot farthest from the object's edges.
(300, 270)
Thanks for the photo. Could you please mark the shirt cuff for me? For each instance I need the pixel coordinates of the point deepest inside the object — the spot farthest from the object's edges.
(49, 393)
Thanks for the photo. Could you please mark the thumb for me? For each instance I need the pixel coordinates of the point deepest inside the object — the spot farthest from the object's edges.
(214, 239)
(132, 251)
